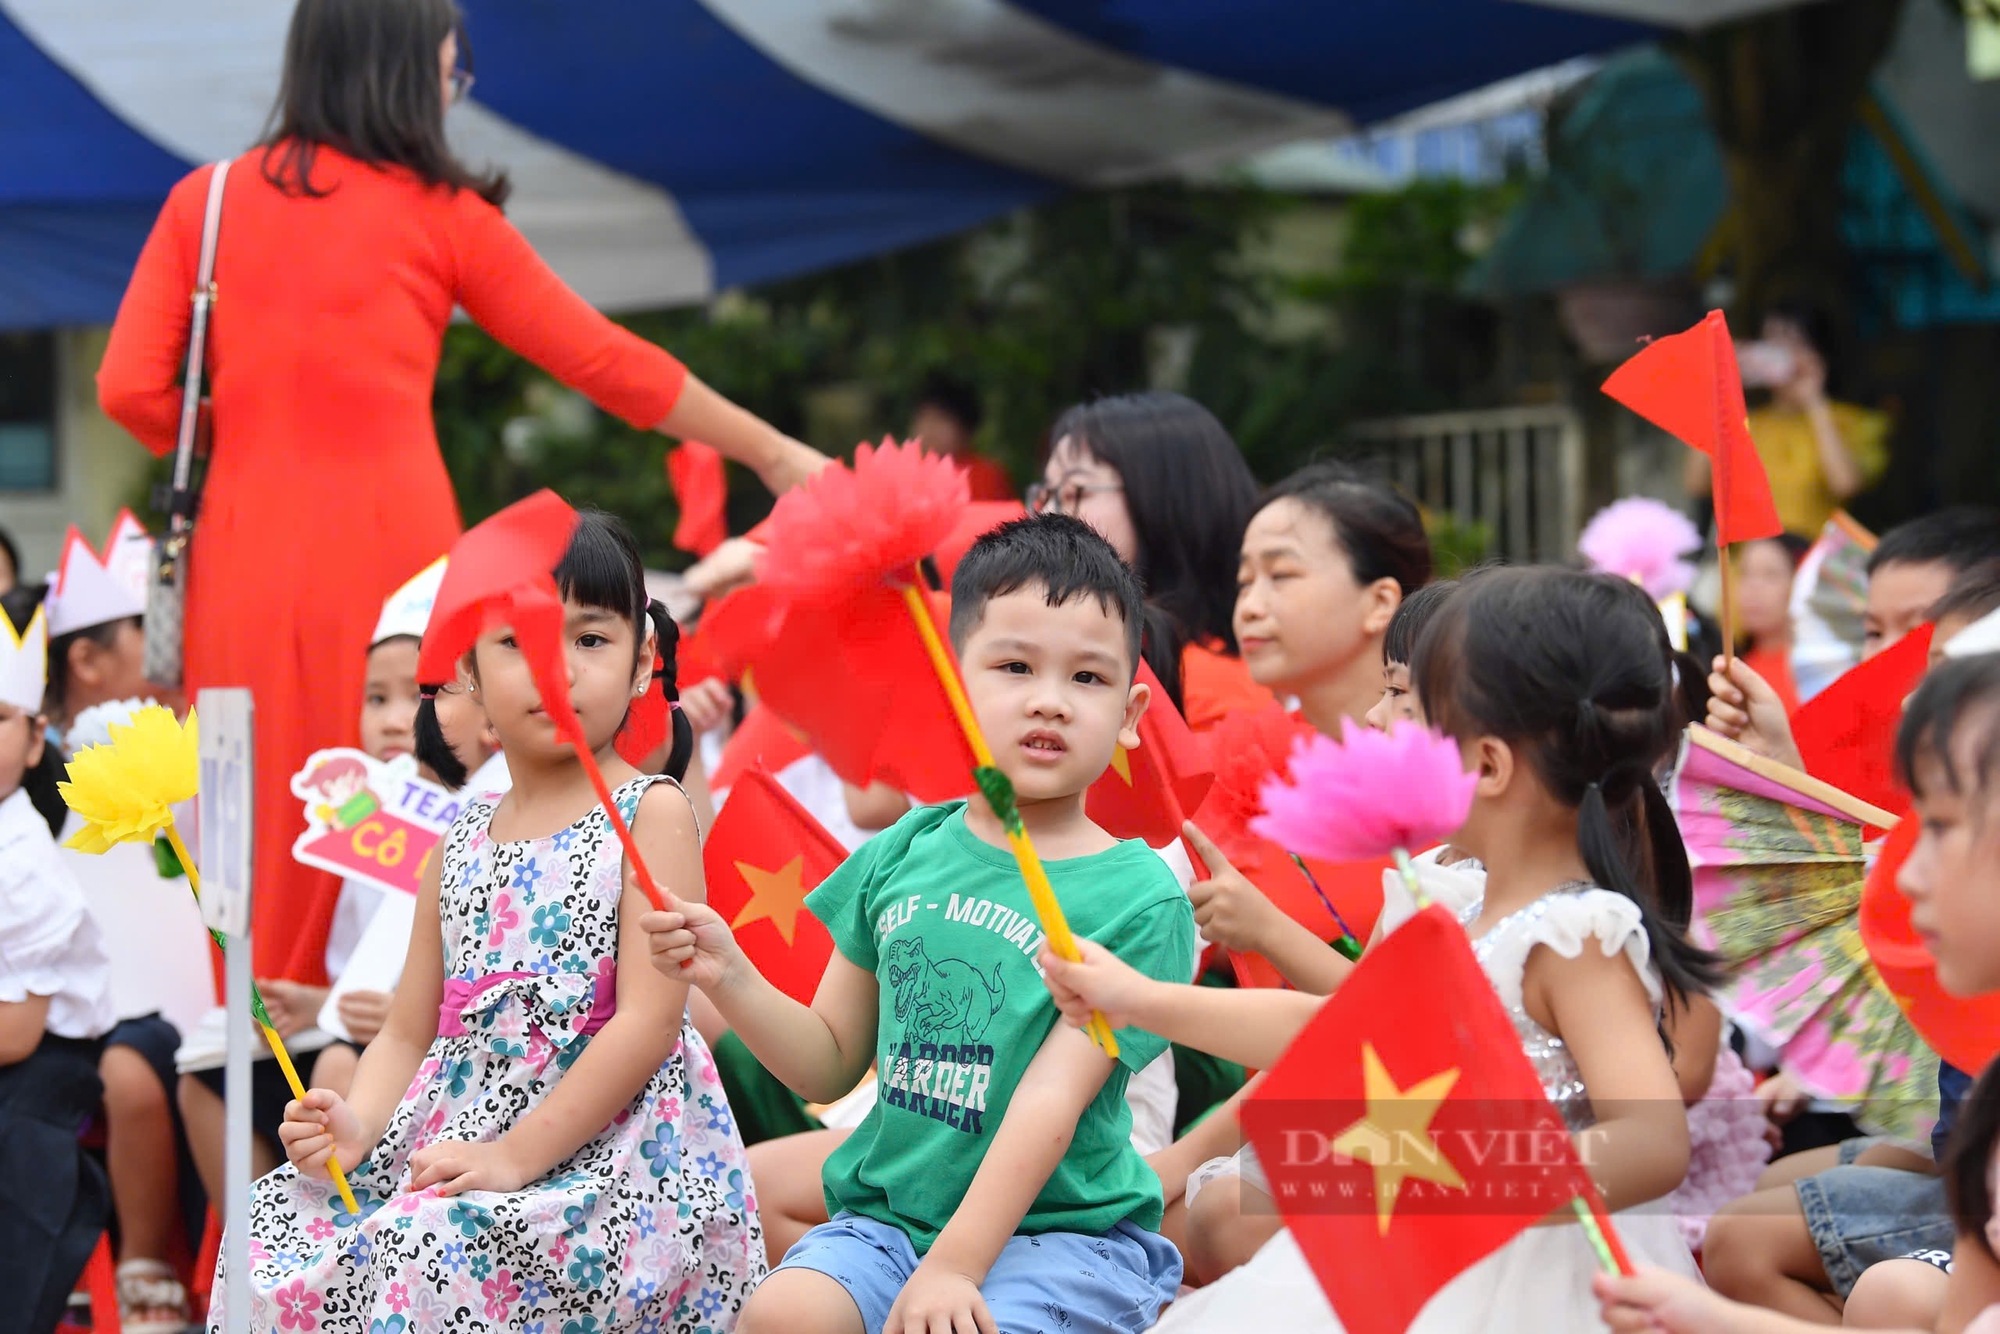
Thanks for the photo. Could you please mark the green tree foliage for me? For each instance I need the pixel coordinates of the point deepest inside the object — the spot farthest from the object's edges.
(1037, 311)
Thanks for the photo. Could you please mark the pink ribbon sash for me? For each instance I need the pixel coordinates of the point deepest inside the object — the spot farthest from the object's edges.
(461, 993)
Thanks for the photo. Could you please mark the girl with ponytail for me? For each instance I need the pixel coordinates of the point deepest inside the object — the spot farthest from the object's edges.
(1558, 692)
(533, 1065)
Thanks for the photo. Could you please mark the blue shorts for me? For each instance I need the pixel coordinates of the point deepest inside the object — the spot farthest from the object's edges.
(1059, 1282)
(1859, 1216)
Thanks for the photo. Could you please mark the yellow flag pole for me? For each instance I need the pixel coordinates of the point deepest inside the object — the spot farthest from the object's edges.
(263, 1021)
(1054, 925)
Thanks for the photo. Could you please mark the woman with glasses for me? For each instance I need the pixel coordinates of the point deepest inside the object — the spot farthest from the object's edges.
(347, 237)
(1160, 478)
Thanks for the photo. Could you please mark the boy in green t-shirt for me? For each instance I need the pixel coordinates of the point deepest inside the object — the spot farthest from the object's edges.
(993, 1187)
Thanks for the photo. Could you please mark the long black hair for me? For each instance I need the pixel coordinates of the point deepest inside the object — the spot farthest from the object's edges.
(1190, 495)
(39, 782)
(431, 748)
(361, 77)
(1378, 527)
(602, 568)
(1568, 668)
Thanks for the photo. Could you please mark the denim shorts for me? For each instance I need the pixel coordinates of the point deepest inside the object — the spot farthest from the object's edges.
(1861, 1215)
(1051, 1283)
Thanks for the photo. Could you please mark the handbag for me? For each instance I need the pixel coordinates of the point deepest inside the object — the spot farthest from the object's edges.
(166, 592)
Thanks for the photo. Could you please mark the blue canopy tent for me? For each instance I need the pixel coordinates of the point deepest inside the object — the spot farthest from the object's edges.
(663, 149)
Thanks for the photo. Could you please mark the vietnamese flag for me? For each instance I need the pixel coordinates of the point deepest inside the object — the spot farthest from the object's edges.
(851, 675)
(1964, 1030)
(762, 739)
(1687, 384)
(1846, 734)
(1147, 791)
(764, 855)
(701, 484)
(1405, 1133)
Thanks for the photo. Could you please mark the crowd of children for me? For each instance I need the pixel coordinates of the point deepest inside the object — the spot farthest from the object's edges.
(565, 1111)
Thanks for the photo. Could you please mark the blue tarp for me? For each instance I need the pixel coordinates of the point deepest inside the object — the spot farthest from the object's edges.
(663, 149)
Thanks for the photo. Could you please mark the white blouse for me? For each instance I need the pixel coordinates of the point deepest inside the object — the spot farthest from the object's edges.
(49, 942)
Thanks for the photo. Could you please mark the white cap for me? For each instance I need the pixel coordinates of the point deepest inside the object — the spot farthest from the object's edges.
(88, 590)
(1982, 636)
(408, 610)
(24, 662)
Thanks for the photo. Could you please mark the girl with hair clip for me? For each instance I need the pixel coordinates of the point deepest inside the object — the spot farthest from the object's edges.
(1948, 755)
(1554, 686)
(537, 1136)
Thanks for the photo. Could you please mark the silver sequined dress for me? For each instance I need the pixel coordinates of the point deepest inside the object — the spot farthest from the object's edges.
(1538, 1283)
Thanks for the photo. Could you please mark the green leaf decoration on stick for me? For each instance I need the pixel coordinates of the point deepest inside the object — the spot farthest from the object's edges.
(999, 794)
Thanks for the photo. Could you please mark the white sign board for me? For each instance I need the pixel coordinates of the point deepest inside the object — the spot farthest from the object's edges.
(226, 812)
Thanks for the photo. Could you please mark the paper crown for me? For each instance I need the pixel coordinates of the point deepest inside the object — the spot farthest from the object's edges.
(91, 590)
(1982, 636)
(408, 610)
(24, 662)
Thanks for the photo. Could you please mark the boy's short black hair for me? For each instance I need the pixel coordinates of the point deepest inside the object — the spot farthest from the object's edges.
(1060, 552)
(1960, 537)
(1974, 593)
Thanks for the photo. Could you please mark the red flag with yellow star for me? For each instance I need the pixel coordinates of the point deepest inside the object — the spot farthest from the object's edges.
(1147, 792)
(851, 675)
(765, 853)
(1405, 1134)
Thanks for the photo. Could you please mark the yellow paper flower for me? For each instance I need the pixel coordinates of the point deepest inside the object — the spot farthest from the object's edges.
(125, 792)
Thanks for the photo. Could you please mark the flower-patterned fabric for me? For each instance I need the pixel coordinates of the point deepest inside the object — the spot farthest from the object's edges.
(651, 1226)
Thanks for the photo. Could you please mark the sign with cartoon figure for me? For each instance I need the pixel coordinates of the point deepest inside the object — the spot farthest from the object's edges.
(374, 821)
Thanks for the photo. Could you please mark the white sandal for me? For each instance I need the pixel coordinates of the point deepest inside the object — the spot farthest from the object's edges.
(151, 1286)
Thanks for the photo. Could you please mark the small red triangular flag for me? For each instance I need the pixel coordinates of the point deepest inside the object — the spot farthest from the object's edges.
(1846, 734)
(1687, 384)
(701, 485)
(517, 549)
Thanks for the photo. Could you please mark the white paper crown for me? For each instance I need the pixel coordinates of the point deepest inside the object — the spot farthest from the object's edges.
(24, 662)
(88, 590)
(1982, 636)
(408, 610)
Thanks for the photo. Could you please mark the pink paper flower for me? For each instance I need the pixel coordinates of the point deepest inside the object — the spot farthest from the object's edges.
(1640, 538)
(1364, 796)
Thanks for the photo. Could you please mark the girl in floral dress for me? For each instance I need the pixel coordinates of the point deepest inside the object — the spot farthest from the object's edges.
(538, 1140)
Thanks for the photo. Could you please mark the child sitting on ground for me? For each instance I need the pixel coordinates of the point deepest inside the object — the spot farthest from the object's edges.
(996, 1166)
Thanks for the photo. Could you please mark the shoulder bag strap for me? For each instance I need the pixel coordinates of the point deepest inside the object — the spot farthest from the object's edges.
(203, 298)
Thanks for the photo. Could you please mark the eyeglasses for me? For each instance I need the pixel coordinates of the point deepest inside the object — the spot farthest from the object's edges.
(461, 84)
(1066, 497)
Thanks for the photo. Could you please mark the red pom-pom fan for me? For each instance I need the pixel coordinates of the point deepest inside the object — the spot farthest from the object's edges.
(849, 528)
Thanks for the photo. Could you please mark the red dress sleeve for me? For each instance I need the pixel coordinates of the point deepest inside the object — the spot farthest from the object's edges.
(138, 382)
(505, 286)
